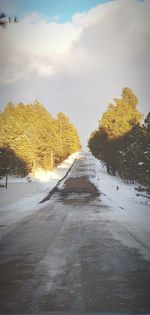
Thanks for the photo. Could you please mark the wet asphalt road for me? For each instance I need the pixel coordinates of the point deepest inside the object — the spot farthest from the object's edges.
(63, 258)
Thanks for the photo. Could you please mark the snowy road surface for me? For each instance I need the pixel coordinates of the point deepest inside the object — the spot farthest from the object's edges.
(86, 249)
(22, 198)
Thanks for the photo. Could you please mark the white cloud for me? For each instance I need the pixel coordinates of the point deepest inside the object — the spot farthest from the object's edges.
(33, 44)
(80, 65)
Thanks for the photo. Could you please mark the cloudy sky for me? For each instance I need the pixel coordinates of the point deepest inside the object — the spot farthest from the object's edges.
(75, 56)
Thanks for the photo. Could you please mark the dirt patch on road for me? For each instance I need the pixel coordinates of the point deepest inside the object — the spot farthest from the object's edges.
(79, 185)
(78, 190)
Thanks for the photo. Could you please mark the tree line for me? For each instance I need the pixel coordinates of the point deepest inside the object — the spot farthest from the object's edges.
(31, 138)
(122, 142)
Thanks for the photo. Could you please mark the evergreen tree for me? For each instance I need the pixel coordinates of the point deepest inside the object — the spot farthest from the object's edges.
(144, 154)
(121, 116)
(29, 134)
(121, 143)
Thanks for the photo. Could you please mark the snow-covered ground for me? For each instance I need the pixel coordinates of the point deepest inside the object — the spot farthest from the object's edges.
(127, 215)
(129, 218)
(22, 197)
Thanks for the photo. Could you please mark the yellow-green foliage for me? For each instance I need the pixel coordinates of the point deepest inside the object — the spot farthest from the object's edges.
(31, 135)
(121, 116)
(121, 142)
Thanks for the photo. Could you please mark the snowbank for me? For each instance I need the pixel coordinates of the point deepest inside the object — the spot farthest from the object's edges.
(129, 218)
(22, 197)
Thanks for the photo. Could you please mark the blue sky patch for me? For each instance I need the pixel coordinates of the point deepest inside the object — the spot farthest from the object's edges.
(61, 10)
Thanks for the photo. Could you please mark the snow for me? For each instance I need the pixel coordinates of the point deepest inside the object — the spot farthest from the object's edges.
(129, 218)
(127, 215)
(22, 197)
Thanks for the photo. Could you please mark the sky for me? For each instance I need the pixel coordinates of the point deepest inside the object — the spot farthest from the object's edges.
(75, 56)
(60, 10)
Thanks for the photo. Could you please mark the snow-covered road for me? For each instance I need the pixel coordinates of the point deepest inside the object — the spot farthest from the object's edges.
(22, 197)
(86, 249)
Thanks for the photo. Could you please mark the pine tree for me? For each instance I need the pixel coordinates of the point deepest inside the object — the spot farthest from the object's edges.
(144, 154)
(113, 141)
(121, 116)
(32, 139)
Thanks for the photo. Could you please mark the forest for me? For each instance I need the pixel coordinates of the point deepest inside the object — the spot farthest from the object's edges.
(122, 140)
(31, 138)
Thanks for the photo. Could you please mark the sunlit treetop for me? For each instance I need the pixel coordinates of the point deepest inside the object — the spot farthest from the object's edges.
(121, 116)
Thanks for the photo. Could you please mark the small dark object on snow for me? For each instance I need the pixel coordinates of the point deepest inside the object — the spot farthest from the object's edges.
(29, 179)
(140, 188)
(117, 187)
